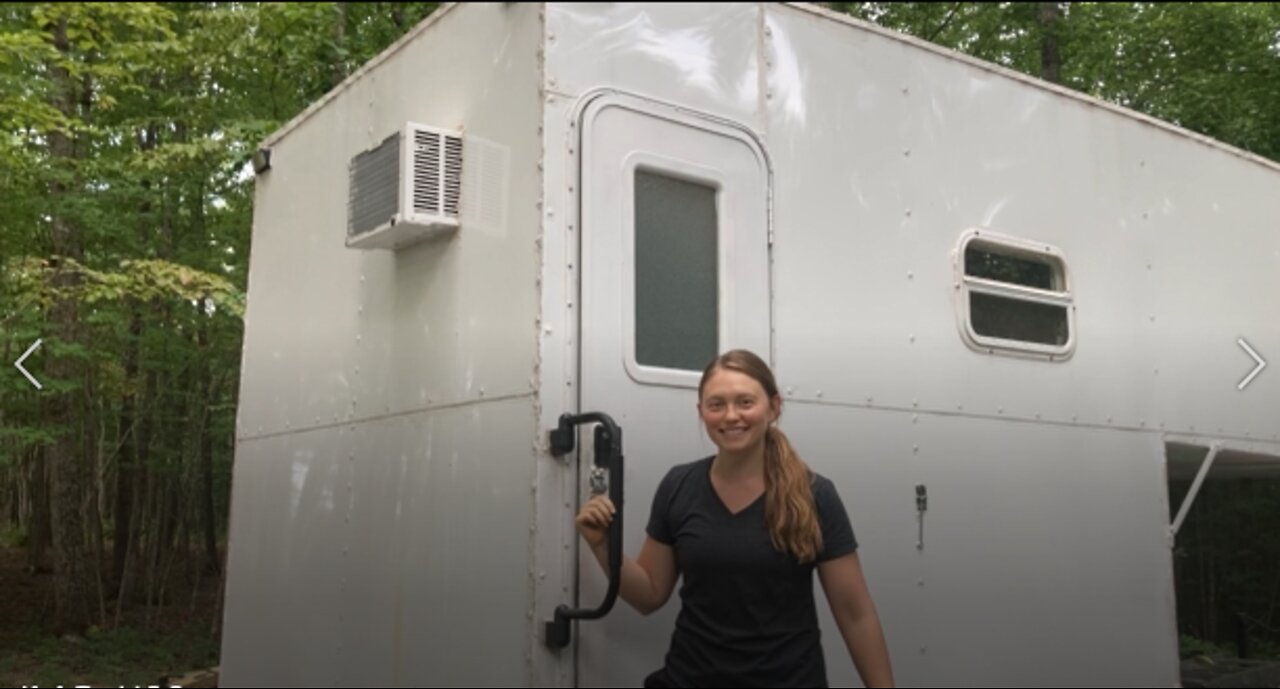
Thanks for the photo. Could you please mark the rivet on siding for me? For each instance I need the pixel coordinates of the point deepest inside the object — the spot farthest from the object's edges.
(906, 153)
(910, 275)
(908, 212)
(915, 449)
(819, 394)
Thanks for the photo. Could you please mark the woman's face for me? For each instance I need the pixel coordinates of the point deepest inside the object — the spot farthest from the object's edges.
(736, 410)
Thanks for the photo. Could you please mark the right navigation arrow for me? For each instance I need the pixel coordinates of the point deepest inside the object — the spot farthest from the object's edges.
(1257, 369)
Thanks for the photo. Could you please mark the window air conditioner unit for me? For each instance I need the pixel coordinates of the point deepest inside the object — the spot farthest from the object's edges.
(406, 189)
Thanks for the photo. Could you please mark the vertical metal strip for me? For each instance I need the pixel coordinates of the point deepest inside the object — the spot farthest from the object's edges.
(1195, 489)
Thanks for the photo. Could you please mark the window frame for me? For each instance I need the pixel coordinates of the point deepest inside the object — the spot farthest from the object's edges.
(1015, 247)
(686, 171)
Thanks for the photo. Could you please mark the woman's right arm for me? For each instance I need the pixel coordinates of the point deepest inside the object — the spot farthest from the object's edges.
(647, 581)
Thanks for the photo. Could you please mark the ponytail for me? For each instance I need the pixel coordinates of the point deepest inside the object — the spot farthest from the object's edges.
(790, 513)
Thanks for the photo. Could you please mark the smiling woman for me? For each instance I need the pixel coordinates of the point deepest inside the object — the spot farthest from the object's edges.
(746, 528)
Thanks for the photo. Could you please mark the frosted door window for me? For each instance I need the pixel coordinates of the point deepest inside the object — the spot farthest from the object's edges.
(676, 277)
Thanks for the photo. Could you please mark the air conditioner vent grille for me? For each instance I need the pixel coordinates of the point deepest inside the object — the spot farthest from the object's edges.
(373, 194)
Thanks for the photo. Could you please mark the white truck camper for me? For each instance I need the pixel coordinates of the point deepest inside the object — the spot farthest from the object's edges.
(1005, 316)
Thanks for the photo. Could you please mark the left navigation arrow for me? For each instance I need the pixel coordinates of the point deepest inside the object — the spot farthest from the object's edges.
(18, 364)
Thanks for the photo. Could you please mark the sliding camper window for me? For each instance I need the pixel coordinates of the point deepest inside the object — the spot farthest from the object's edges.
(1015, 296)
(676, 277)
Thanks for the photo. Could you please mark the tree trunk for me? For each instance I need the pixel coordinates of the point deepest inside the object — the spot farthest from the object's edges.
(339, 65)
(1050, 56)
(72, 588)
(130, 456)
(126, 474)
(39, 524)
(206, 468)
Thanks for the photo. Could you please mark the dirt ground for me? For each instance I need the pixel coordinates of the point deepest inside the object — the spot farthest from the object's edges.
(150, 647)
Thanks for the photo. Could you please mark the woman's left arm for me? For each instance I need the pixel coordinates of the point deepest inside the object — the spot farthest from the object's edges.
(856, 616)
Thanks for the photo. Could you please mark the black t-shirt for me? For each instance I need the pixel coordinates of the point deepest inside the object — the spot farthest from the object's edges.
(748, 616)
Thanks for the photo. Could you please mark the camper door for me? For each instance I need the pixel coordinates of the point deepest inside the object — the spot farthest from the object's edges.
(675, 270)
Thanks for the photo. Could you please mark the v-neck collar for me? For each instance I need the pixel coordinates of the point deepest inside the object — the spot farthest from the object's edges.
(720, 501)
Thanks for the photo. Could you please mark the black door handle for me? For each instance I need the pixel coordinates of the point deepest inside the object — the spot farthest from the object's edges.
(608, 447)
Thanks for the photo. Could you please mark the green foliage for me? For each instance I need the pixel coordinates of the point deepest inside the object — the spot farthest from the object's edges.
(126, 656)
(1191, 647)
(12, 536)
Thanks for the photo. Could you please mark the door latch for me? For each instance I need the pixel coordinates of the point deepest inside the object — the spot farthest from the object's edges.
(922, 504)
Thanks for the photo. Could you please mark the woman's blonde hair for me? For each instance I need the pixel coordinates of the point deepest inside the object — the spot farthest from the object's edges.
(789, 510)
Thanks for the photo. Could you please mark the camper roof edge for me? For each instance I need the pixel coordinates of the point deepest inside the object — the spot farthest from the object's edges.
(444, 9)
(1033, 81)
